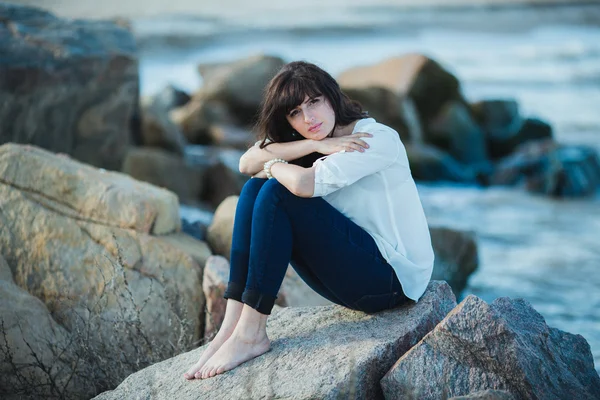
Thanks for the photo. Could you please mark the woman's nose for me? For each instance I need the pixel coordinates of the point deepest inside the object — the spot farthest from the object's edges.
(308, 117)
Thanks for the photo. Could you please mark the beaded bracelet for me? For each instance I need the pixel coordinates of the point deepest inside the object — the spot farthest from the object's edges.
(269, 164)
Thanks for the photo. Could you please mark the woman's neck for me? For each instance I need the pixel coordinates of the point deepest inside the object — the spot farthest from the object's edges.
(344, 130)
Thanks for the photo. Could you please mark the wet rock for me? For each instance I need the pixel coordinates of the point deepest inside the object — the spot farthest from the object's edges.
(80, 240)
(456, 256)
(454, 130)
(316, 352)
(428, 163)
(546, 167)
(70, 86)
(169, 171)
(505, 346)
(239, 84)
(505, 128)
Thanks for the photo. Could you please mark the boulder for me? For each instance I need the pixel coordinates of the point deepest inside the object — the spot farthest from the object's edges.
(385, 106)
(79, 240)
(70, 86)
(220, 230)
(454, 130)
(169, 98)
(94, 195)
(505, 346)
(239, 84)
(195, 117)
(456, 256)
(166, 170)
(546, 167)
(157, 130)
(504, 127)
(326, 352)
(416, 76)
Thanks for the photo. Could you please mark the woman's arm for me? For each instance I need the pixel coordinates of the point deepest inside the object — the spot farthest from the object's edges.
(300, 181)
(254, 159)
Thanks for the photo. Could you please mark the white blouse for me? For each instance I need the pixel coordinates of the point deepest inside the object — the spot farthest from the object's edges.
(376, 190)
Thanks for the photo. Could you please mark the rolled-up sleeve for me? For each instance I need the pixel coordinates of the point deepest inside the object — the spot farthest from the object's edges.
(344, 168)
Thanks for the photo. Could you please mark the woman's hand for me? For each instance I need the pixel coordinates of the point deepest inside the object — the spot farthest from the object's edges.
(348, 143)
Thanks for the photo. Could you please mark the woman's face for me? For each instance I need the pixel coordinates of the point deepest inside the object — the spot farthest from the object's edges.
(314, 118)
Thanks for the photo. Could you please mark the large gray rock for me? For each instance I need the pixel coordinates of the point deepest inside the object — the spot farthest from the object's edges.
(503, 346)
(416, 76)
(87, 193)
(316, 353)
(79, 240)
(70, 86)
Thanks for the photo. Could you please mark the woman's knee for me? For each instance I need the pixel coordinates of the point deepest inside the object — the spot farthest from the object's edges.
(273, 188)
(252, 187)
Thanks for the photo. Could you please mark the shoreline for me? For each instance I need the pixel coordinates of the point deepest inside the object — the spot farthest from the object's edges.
(235, 9)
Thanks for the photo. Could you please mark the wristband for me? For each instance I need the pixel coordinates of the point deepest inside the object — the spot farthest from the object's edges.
(267, 166)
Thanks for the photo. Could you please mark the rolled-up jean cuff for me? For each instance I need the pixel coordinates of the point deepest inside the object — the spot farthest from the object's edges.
(234, 291)
(260, 302)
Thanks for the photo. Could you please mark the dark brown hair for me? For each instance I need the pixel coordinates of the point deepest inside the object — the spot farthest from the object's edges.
(287, 90)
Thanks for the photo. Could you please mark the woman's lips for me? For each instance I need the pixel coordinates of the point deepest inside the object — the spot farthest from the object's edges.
(315, 128)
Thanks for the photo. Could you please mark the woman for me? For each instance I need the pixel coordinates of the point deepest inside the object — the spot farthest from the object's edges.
(350, 222)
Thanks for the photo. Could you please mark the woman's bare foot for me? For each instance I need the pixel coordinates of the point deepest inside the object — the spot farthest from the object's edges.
(232, 315)
(248, 340)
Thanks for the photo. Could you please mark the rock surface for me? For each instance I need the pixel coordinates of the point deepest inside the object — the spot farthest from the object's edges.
(69, 86)
(316, 353)
(25, 321)
(506, 346)
(79, 240)
(80, 191)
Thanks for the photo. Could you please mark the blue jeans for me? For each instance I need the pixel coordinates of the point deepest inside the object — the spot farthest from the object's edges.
(337, 258)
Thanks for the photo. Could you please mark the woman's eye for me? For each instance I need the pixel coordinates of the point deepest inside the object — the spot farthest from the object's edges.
(313, 101)
(293, 113)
